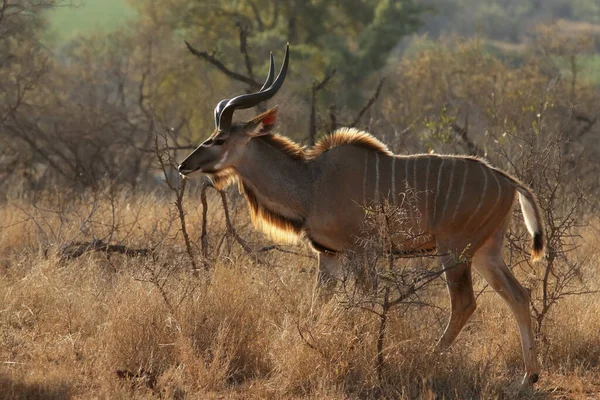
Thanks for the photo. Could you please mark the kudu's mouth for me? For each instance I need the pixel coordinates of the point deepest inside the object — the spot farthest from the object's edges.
(184, 172)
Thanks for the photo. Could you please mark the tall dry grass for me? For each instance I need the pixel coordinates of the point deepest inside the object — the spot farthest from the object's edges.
(112, 326)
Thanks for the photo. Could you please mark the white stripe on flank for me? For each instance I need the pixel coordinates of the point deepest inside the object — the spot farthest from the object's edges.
(462, 190)
(376, 178)
(437, 190)
(365, 180)
(448, 191)
(394, 180)
(495, 203)
(485, 179)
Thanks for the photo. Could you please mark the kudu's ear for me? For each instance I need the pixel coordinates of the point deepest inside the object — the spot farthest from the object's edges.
(263, 124)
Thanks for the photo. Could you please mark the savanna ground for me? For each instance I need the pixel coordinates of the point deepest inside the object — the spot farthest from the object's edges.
(103, 296)
(243, 325)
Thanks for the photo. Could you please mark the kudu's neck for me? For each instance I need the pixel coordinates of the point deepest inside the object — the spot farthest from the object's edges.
(280, 181)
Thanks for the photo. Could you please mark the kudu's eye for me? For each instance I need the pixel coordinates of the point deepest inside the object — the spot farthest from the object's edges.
(219, 142)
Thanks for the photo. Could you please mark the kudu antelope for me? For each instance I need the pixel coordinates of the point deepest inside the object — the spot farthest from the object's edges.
(319, 193)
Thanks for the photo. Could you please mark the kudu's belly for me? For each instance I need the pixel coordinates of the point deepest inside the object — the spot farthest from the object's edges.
(368, 233)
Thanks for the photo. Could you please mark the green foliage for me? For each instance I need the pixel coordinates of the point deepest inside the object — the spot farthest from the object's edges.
(355, 36)
(87, 17)
(392, 20)
(507, 20)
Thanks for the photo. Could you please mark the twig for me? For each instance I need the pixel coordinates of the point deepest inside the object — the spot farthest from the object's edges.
(463, 133)
(2, 9)
(188, 243)
(77, 249)
(369, 103)
(282, 250)
(383, 319)
(230, 228)
(333, 117)
(313, 114)
(203, 234)
(221, 67)
(308, 343)
(179, 193)
(244, 30)
(589, 123)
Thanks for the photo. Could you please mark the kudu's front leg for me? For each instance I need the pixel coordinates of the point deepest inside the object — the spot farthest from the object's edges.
(329, 270)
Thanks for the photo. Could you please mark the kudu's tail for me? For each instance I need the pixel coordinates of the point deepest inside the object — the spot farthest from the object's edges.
(533, 221)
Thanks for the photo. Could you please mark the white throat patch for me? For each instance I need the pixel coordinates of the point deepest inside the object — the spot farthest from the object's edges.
(218, 165)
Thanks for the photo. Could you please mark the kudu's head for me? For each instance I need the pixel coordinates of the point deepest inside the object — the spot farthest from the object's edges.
(225, 147)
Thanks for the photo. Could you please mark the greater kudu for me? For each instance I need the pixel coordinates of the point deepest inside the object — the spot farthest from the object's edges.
(319, 193)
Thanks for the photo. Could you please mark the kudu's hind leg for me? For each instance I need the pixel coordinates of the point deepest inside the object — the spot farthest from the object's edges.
(462, 299)
(489, 263)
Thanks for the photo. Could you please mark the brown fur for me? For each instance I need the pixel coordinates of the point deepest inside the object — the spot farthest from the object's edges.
(341, 137)
(538, 245)
(286, 146)
(223, 178)
(282, 227)
(272, 223)
(349, 136)
(275, 225)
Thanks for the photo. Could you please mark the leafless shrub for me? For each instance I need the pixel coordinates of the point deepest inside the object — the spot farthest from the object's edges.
(533, 121)
(388, 279)
(168, 165)
(539, 159)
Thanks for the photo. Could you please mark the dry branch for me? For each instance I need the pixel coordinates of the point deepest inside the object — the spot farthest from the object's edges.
(463, 133)
(77, 249)
(166, 161)
(221, 67)
(333, 117)
(369, 103)
(203, 234)
(588, 125)
(313, 114)
(230, 229)
(244, 31)
(3, 9)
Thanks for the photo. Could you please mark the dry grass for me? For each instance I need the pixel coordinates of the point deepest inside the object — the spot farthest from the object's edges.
(252, 327)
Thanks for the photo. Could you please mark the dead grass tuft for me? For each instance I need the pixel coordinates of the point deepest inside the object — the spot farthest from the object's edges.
(252, 327)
